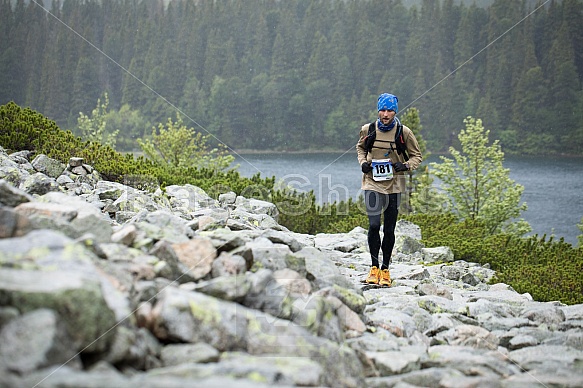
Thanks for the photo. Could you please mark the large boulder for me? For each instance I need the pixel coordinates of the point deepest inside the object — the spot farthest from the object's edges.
(77, 298)
(35, 340)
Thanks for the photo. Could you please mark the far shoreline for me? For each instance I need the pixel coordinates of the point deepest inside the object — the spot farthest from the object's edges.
(353, 151)
(256, 152)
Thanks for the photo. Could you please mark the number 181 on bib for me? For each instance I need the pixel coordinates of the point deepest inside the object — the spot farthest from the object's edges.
(382, 169)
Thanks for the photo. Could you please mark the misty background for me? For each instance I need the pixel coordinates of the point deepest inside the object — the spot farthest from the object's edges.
(302, 74)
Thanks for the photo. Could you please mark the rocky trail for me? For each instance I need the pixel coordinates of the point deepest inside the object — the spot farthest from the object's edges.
(103, 285)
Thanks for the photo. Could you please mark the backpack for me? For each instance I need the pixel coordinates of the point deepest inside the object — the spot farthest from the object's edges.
(399, 141)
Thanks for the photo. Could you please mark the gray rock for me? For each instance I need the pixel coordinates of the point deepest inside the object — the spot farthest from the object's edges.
(65, 180)
(451, 272)
(340, 242)
(546, 357)
(48, 166)
(176, 354)
(256, 206)
(22, 159)
(545, 314)
(227, 264)
(407, 244)
(273, 256)
(469, 335)
(348, 319)
(351, 297)
(429, 288)
(252, 220)
(74, 219)
(190, 197)
(12, 196)
(65, 376)
(436, 304)
(573, 312)
(125, 235)
(280, 237)
(521, 341)
(292, 281)
(163, 225)
(176, 270)
(111, 190)
(416, 274)
(428, 377)
(407, 228)
(287, 371)
(229, 198)
(231, 288)
(132, 200)
(75, 162)
(470, 279)
(470, 361)
(35, 340)
(267, 295)
(563, 377)
(394, 321)
(321, 269)
(11, 173)
(240, 225)
(395, 362)
(224, 239)
(47, 210)
(39, 184)
(441, 322)
(438, 254)
(76, 298)
(194, 317)
(197, 255)
(135, 347)
(7, 314)
(13, 224)
(121, 217)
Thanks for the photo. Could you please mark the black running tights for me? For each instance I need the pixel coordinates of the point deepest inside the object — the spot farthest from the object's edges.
(378, 204)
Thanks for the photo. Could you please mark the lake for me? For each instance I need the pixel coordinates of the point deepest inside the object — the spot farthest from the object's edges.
(553, 188)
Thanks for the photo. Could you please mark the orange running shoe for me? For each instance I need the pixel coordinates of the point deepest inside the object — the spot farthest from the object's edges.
(385, 278)
(373, 275)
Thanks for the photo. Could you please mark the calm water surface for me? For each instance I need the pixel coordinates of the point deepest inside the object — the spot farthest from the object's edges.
(553, 189)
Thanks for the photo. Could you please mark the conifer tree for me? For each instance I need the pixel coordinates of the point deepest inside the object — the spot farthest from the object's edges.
(85, 85)
(478, 186)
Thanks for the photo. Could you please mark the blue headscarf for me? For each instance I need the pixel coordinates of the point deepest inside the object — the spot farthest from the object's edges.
(388, 127)
(389, 102)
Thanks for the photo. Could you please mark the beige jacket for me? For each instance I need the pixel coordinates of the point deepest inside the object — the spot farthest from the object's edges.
(379, 150)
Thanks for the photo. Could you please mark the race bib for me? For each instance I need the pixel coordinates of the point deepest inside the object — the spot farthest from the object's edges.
(382, 170)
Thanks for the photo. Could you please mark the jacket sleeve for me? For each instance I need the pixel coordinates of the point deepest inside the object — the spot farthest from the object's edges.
(360, 150)
(415, 157)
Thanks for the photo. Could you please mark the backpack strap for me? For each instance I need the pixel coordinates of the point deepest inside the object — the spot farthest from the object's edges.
(370, 137)
(400, 142)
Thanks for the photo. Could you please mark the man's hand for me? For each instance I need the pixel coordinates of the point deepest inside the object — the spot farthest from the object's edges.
(398, 167)
(366, 167)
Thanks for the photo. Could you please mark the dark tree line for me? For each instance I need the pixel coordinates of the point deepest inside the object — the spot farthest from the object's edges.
(297, 74)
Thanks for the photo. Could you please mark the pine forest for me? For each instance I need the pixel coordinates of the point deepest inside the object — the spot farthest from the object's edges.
(302, 74)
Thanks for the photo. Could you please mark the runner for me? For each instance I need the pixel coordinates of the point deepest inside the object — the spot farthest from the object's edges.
(385, 150)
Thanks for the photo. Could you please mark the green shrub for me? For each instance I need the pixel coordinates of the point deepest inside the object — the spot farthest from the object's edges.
(25, 129)
(300, 212)
(549, 270)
